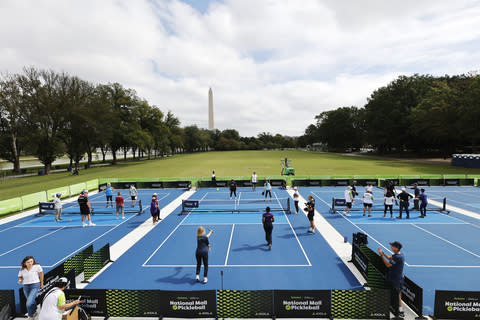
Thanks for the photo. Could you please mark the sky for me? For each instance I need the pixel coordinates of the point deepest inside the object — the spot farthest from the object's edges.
(272, 64)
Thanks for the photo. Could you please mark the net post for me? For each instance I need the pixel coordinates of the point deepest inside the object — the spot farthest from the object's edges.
(183, 207)
(444, 208)
(333, 205)
(140, 209)
(288, 206)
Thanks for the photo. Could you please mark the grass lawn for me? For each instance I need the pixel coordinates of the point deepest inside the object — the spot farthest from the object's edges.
(231, 163)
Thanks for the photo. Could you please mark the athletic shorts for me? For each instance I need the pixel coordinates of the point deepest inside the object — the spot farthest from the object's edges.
(133, 197)
(84, 212)
(349, 205)
(310, 216)
(109, 198)
(367, 205)
(155, 214)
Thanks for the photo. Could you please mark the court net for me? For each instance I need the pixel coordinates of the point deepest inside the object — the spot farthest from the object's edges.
(379, 205)
(98, 207)
(236, 206)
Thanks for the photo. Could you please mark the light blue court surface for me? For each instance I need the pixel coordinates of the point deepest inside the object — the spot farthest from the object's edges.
(441, 250)
(52, 242)
(165, 257)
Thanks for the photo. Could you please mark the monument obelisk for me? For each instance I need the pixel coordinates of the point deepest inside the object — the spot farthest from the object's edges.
(211, 126)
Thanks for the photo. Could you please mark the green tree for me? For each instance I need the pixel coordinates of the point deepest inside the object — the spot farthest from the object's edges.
(12, 125)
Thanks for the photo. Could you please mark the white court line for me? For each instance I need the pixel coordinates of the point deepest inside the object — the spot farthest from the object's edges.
(228, 224)
(224, 266)
(434, 223)
(78, 250)
(447, 241)
(229, 245)
(432, 266)
(31, 241)
(168, 237)
(293, 230)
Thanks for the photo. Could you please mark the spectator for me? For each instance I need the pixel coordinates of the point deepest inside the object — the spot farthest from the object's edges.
(395, 265)
(31, 277)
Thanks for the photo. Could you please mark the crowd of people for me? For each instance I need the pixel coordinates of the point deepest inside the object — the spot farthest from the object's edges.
(391, 198)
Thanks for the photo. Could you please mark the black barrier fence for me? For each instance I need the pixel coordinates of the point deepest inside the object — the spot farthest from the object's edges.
(327, 304)
(461, 305)
(96, 262)
(180, 184)
(7, 297)
(370, 263)
(77, 261)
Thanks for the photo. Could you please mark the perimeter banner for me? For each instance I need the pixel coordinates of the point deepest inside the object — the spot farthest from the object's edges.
(361, 304)
(302, 304)
(457, 305)
(244, 304)
(94, 300)
(188, 304)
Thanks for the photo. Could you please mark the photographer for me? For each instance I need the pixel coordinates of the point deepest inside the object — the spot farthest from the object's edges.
(54, 304)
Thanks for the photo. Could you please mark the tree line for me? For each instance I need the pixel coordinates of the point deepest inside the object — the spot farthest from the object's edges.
(419, 113)
(50, 114)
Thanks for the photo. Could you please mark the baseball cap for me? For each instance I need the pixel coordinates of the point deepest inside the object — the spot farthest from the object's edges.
(370, 189)
(154, 193)
(295, 188)
(396, 244)
(61, 280)
(403, 189)
(84, 191)
(58, 194)
(349, 188)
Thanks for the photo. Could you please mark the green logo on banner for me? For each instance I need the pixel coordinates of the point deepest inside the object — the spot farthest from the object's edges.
(175, 307)
(288, 308)
(450, 308)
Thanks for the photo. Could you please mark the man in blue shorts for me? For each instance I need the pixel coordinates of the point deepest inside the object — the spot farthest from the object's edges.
(395, 264)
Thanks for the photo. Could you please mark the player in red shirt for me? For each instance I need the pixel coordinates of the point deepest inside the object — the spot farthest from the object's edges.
(120, 202)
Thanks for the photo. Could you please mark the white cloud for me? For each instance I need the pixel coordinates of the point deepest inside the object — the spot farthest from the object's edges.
(273, 65)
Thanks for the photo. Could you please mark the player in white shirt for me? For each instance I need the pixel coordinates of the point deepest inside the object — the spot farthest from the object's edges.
(367, 202)
(389, 201)
(254, 181)
(348, 201)
(133, 194)
(296, 198)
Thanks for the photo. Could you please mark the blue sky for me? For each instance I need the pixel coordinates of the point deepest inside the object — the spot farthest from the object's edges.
(272, 65)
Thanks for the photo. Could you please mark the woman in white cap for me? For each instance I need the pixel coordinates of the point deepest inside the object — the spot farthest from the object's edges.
(296, 198)
(53, 303)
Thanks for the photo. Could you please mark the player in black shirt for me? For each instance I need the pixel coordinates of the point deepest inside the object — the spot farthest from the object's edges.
(85, 208)
(233, 189)
(310, 209)
(404, 197)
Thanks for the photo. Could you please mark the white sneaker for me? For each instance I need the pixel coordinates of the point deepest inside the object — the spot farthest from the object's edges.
(123, 218)
(84, 225)
(205, 280)
(348, 214)
(92, 224)
(197, 278)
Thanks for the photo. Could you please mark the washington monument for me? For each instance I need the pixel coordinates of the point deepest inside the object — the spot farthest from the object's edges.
(211, 126)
